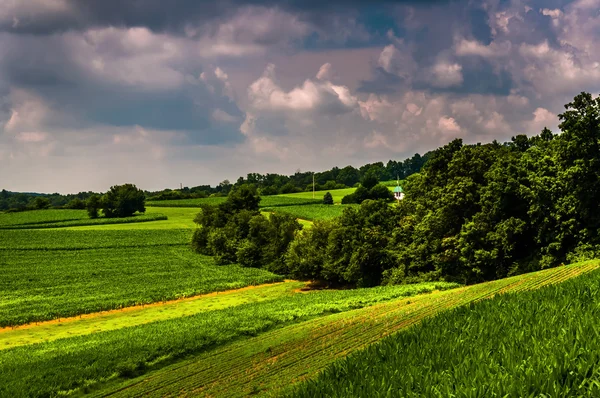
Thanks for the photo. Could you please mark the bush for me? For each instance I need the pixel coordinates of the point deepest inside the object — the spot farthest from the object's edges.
(123, 201)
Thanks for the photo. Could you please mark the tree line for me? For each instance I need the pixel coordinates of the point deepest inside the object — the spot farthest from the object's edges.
(273, 183)
(474, 213)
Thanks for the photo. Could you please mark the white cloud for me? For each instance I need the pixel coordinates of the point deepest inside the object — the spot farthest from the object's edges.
(325, 72)
(448, 124)
(312, 96)
(447, 74)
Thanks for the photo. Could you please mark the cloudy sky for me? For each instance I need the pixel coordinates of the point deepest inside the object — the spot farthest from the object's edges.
(95, 93)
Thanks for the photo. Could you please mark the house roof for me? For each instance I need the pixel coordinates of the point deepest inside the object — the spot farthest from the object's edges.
(398, 189)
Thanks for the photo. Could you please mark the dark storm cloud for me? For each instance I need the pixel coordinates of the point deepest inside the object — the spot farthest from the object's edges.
(158, 15)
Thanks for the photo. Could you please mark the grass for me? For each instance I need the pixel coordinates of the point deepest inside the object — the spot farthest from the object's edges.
(539, 343)
(58, 218)
(266, 201)
(178, 218)
(63, 365)
(139, 315)
(39, 285)
(276, 359)
(337, 194)
(78, 239)
(312, 212)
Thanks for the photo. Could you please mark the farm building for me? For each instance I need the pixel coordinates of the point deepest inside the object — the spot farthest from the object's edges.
(398, 193)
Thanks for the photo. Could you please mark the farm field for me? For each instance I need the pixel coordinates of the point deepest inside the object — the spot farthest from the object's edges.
(67, 364)
(272, 360)
(177, 217)
(39, 285)
(337, 194)
(266, 201)
(56, 218)
(539, 343)
(311, 212)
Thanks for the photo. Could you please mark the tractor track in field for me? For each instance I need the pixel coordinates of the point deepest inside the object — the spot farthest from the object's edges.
(271, 361)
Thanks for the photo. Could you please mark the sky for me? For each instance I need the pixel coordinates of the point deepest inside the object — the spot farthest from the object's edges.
(95, 93)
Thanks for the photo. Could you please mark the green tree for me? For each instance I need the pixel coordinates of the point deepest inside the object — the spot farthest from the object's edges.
(327, 199)
(93, 204)
(41, 202)
(123, 201)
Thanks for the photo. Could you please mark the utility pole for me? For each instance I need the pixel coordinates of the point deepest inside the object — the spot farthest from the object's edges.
(313, 184)
(181, 186)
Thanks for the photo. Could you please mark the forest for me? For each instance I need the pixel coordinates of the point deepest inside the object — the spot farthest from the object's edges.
(474, 213)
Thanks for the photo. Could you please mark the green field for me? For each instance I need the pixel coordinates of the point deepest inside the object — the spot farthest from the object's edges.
(58, 218)
(311, 212)
(74, 363)
(337, 194)
(540, 343)
(273, 360)
(266, 201)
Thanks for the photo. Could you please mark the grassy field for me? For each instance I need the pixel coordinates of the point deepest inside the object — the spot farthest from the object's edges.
(177, 217)
(57, 218)
(539, 343)
(75, 363)
(39, 285)
(266, 201)
(278, 358)
(337, 194)
(312, 212)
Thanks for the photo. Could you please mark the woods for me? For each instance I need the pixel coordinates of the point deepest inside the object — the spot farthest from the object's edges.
(474, 213)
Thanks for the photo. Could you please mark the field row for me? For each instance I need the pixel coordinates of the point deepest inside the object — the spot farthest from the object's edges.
(40, 285)
(77, 239)
(279, 358)
(65, 218)
(59, 366)
(540, 343)
(266, 201)
(312, 212)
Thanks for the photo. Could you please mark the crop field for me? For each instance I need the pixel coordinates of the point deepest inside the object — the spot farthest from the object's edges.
(56, 218)
(266, 201)
(337, 194)
(311, 212)
(278, 358)
(177, 217)
(539, 343)
(49, 274)
(62, 365)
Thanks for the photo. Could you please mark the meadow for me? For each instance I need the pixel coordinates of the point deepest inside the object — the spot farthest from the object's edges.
(57, 218)
(266, 201)
(544, 342)
(271, 361)
(78, 363)
(312, 212)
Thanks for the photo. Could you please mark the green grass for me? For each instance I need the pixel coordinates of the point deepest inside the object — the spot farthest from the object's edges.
(77, 239)
(178, 218)
(278, 358)
(139, 315)
(266, 201)
(311, 212)
(337, 194)
(38, 285)
(539, 343)
(58, 218)
(52, 368)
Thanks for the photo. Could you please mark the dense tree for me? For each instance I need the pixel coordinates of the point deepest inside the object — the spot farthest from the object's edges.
(327, 199)
(41, 202)
(123, 201)
(235, 231)
(93, 204)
